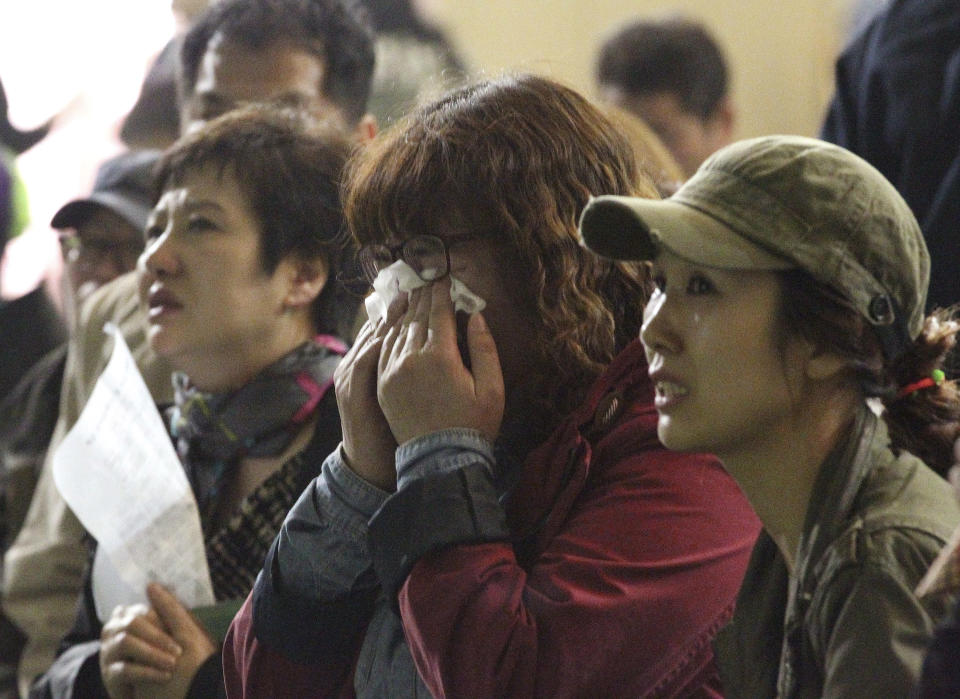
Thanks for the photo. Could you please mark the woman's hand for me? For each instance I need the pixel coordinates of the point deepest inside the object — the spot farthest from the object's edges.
(188, 634)
(135, 649)
(368, 444)
(423, 385)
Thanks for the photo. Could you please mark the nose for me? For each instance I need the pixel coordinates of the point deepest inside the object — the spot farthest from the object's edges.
(107, 268)
(159, 257)
(659, 333)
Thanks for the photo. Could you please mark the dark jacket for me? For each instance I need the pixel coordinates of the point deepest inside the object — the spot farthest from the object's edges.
(897, 105)
(30, 327)
(605, 571)
(941, 668)
(847, 623)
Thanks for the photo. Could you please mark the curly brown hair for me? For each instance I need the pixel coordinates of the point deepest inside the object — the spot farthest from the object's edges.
(517, 159)
(924, 422)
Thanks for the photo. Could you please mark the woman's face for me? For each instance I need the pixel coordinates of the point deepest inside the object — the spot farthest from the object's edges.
(212, 310)
(724, 383)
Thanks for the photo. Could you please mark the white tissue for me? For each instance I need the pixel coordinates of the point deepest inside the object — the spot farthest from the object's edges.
(400, 277)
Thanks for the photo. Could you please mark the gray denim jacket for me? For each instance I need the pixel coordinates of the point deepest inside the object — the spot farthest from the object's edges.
(323, 551)
(847, 624)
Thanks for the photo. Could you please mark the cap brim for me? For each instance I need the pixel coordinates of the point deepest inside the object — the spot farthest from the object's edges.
(633, 228)
(74, 213)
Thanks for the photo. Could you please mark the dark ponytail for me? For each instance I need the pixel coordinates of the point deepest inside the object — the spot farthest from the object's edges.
(925, 421)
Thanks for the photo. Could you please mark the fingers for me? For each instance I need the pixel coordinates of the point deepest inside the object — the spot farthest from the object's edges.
(134, 637)
(125, 650)
(173, 615)
(127, 672)
(366, 330)
(393, 327)
(361, 359)
(182, 625)
(417, 317)
(485, 367)
(442, 319)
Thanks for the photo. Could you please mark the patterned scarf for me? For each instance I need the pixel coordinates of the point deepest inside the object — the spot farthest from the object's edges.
(214, 431)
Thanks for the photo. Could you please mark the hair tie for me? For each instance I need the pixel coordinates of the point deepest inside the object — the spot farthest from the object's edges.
(935, 379)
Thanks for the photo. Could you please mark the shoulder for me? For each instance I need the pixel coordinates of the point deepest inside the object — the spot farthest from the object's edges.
(903, 499)
(115, 301)
(903, 516)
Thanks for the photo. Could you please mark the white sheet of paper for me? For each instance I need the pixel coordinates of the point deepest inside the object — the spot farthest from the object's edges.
(120, 475)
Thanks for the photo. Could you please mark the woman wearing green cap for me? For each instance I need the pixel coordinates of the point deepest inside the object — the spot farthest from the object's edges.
(787, 335)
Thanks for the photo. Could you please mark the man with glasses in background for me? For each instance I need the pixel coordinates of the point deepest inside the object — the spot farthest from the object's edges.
(101, 237)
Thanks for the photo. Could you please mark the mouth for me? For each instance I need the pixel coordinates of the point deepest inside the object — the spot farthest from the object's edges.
(668, 393)
(161, 303)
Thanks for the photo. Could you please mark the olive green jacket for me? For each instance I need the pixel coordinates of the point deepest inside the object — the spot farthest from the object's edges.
(847, 624)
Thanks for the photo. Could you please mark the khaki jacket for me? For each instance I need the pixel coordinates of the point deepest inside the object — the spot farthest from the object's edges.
(43, 568)
(847, 624)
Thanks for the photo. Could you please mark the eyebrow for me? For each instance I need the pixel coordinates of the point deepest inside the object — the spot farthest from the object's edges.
(194, 205)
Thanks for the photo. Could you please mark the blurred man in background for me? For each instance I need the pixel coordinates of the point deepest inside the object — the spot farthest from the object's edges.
(101, 238)
(897, 105)
(672, 74)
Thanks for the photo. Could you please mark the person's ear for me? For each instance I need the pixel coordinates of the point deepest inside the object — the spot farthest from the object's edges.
(307, 279)
(366, 129)
(823, 365)
(722, 122)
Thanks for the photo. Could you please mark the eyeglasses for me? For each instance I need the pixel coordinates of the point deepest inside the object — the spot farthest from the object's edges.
(427, 255)
(94, 251)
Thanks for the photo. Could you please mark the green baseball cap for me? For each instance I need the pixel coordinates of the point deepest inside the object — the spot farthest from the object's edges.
(784, 202)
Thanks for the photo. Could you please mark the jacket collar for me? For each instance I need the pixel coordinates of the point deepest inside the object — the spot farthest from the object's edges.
(835, 490)
(754, 651)
(556, 471)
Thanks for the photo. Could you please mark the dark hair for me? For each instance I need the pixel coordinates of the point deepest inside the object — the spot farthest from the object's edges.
(924, 422)
(329, 28)
(288, 167)
(516, 160)
(674, 55)
(399, 17)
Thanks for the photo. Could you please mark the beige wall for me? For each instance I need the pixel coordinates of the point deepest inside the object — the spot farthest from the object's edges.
(781, 52)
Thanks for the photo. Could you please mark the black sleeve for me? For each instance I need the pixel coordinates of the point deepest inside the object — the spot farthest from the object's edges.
(303, 629)
(433, 513)
(208, 682)
(76, 670)
(941, 668)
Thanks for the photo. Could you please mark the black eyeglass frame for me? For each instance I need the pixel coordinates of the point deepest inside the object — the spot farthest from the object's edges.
(75, 248)
(369, 269)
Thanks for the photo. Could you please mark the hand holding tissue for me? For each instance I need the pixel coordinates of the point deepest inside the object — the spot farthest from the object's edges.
(400, 277)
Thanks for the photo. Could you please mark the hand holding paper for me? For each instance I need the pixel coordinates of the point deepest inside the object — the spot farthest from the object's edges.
(119, 473)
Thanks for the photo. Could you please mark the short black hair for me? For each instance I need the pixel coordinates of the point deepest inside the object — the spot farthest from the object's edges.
(288, 166)
(332, 29)
(674, 54)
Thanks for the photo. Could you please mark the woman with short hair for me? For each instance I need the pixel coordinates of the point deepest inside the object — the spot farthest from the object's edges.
(235, 280)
